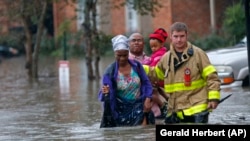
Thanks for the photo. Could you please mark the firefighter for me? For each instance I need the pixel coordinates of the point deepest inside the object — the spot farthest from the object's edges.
(190, 81)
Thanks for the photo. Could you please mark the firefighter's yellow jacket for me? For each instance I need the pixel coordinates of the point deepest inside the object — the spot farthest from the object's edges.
(204, 82)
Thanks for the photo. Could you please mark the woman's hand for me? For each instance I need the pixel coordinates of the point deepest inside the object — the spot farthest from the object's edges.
(105, 89)
(147, 105)
(155, 84)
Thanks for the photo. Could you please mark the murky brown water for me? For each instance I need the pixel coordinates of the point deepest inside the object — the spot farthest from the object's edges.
(46, 111)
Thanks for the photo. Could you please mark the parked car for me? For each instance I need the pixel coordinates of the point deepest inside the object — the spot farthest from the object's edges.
(231, 64)
(7, 51)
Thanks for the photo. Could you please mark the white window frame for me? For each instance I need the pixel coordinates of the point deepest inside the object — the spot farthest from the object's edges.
(80, 14)
(132, 19)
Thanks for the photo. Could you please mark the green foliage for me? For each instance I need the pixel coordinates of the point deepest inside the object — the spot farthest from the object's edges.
(74, 45)
(12, 40)
(234, 24)
(143, 7)
(104, 43)
(209, 42)
(65, 41)
(146, 6)
(147, 48)
(47, 45)
(64, 27)
(234, 29)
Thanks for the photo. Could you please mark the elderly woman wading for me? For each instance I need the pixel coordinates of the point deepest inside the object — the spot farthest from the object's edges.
(126, 90)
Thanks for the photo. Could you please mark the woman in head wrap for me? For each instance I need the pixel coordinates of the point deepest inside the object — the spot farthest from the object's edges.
(127, 88)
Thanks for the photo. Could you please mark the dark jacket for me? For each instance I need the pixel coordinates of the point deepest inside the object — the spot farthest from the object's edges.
(110, 76)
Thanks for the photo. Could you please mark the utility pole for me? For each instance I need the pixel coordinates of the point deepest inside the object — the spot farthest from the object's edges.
(64, 47)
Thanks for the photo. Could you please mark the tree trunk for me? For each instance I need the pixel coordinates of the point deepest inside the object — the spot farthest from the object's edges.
(32, 54)
(38, 41)
(28, 45)
(88, 38)
(95, 37)
(28, 50)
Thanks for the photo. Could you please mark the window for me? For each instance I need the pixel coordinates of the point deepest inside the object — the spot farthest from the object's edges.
(132, 18)
(80, 14)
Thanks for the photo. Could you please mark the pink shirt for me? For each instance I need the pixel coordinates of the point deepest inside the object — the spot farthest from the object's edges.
(156, 56)
(143, 59)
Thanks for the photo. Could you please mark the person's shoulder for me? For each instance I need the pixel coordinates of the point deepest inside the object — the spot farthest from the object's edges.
(144, 55)
(134, 62)
(195, 48)
(164, 48)
(198, 50)
(167, 53)
(161, 51)
(130, 55)
(109, 69)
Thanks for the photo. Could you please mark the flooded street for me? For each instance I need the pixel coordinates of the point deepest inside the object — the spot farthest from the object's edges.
(46, 111)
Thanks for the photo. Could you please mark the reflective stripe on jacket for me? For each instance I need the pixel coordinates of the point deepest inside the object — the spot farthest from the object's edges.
(205, 84)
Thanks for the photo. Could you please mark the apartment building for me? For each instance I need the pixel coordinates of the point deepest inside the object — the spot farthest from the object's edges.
(202, 16)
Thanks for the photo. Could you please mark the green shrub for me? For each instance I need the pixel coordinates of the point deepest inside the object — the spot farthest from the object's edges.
(209, 42)
(12, 41)
(234, 23)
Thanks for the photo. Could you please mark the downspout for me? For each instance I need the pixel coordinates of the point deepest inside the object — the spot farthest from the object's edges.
(212, 16)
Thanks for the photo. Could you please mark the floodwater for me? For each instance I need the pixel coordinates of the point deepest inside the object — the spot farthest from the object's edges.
(53, 109)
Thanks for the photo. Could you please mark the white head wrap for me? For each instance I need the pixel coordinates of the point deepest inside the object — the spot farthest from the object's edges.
(120, 42)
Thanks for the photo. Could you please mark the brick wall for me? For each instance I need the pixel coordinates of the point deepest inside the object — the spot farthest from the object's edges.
(163, 18)
(6, 23)
(118, 24)
(195, 13)
(62, 12)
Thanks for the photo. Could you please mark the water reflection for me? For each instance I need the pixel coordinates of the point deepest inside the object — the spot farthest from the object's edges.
(44, 111)
(234, 110)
